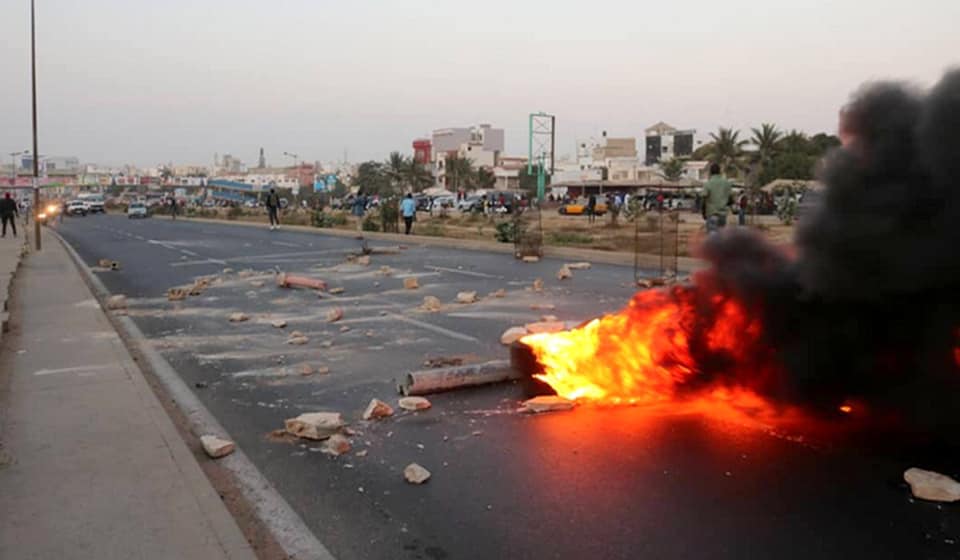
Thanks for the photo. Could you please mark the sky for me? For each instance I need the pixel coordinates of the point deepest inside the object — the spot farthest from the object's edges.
(148, 82)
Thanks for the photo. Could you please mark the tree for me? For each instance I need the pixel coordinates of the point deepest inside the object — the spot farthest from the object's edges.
(727, 150)
(418, 176)
(485, 179)
(528, 181)
(459, 172)
(767, 140)
(396, 168)
(672, 169)
(371, 178)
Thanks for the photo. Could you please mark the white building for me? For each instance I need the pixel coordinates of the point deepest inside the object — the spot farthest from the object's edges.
(482, 145)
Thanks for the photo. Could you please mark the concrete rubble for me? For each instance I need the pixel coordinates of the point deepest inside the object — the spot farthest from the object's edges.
(257, 283)
(415, 474)
(176, 294)
(543, 307)
(363, 260)
(278, 323)
(305, 369)
(216, 447)
(314, 425)
(245, 273)
(531, 259)
(117, 302)
(547, 403)
(414, 403)
(227, 271)
(545, 327)
(385, 271)
(336, 445)
(431, 303)
(297, 338)
(334, 315)
(285, 280)
(512, 335)
(377, 409)
(467, 297)
(499, 293)
(336, 291)
(933, 486)
(578, 266)
(410, 283)
(538, 285)
(564, 273)
(238, 317)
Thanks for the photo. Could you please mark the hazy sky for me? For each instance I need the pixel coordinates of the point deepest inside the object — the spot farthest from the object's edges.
(150, 81)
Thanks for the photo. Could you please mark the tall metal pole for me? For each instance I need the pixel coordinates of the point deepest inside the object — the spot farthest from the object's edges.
(36, 151)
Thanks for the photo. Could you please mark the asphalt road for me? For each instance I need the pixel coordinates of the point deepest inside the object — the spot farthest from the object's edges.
(590, 483)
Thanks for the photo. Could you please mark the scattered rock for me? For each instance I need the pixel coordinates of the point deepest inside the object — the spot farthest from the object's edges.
(305, 369)
(314, 425)
(547, 403)
(414, 403)
(345, 328)
(499, 293)
(410, 283)
(362, 453)
(543, 307)
(377, 409)
(512, 335)
(103, 263)
(176, 294)
(298, 340)
(363, 260)
(257, 283)
(245, 273)
(227, 271)
(335, 291)
(385, 271)
(933, 486)
(578, 266)
(531, 259)
(117, 302)
(431, 303)
(326, 343)
(644, 283)
(415, 474)
(545, 327)
(538, 285)
(564, 273)
(278, 323)
(322, 370)
(336, 445)
(467, 297)
(334, 315)
(216, 447)
(238, 317)
(549, 318)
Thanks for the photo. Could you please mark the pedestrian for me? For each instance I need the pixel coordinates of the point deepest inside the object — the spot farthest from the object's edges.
(592, 209)
(173, 208)
(8, 213)
(743, 210)
(716, 199)
(408, 209)
(273, 209)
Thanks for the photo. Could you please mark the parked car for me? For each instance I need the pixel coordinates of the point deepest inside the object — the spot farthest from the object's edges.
(94, 203)
(580, 208)
(471, 204)
(423, 203)
(444, 202)
(77, 208)
(137, 210)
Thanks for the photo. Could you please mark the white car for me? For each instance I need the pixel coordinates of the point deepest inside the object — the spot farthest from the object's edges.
(137, 210)
(444, 202)
(77, 208)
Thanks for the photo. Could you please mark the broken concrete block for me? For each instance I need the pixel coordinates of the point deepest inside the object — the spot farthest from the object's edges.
(512, 335)
(176, 294)
(933, 486)
(431, 303)
(545, 327)
(538, 285)
(314, 425)
(415, 474)
(345, 328)
(285, 280)
(467, 297)
(238, 317)
(227, 271)
(531, 259)
(385, 271)
(410, 283)
(298, 340)
(257, 283)
(377, 409)
(305, 369)
(336, 445)
(216, 447)
(414, 403)
(548, 319)
(245, 273)
(117, 302)
(547, 403)
(334, 315)
(323, 370)
(336, 291)
(363, 260)
(499, 293)
(578, 266)
(103, 263)
(278, 323)
(543, 306)
(564, 273)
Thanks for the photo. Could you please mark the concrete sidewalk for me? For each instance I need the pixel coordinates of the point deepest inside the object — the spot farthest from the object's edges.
(90, 464)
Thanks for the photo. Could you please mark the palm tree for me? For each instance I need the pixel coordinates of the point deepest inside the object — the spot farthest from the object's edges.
(418, 176)
(767, 140)
(396, 169)
(672, 169)
(485, 179)
(459, 172)
(727, 149)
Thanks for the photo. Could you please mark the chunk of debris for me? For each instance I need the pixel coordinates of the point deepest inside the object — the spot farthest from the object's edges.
(334, 315)
(305, 369)
(443, 361)
(335, 291)
(578, 266)
(103, 263)
(314, 425)
(499, 293)
(345, 328)
(216, 447)
(117, 302)
(297, 339)
(323, 370)
(644, 283)
(415, 474)
(285, 280)
(238, 317)
(467, 297)
(362, 453)
(278, 323)
(377, 409)
(246, 273)
(548, 319)
(385, 271)
(545, 327)
(227, 271)
(512, 335)
(363, 260)
(543, 307)
(176, 294)
(200, 385)
(197, 288)
(538, 285)
(564, 273)
(933, 486)
(531, 259)
(547, 403)
(257, 283)
(431, 303)
(336, 445)
(414, 403)
(410, 283)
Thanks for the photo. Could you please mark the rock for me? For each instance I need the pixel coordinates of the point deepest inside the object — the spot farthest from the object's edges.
(362, 453)
(578, 266)
(335, 291)
(176, 294)
(245, 273)
(548, 403)
(298, 340)
(296, 334)
(543, 306)
(278, 323)
(499, 293)
(531, 259)
(545, 327)
(376, 284)
(411, 283)
(314, 425)
(238, 317)
(385, 271)
(467, 297)
(216, 447)
(336, 445)
(431, 303)
(345, 328)
(933, 486)
(564, 273)
(227, 271)
(305, 369)
(334, 315)
(257, 283)
(512, 335)
(196, 288)
(538, 285)
(415, 474)
(117, 302)
(644, 283)
(103, 263)
(414, 403)
(363, 260)
(377, 409)
(326, 343)
(323, 370)
(548, 319)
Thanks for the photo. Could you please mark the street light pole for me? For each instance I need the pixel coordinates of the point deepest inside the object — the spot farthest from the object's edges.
(36, 151)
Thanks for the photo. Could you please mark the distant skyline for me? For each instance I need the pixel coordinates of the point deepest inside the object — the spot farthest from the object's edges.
(143, 82)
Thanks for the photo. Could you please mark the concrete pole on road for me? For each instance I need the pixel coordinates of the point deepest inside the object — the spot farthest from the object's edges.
(36, 151)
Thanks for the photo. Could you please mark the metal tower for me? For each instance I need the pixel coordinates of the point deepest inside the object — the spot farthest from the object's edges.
(542, 148)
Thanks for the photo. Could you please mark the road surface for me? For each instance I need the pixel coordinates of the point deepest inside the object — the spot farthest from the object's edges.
(591, 483)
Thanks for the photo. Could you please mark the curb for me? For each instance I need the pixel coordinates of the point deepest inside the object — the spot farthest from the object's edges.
(285, 525)
(5, 297)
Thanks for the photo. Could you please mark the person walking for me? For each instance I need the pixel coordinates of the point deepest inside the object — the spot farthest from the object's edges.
(173, 208)
(408, 209)
(716, 199)
(8, 214)
(742, 210)
(273, 209)
(592, 209)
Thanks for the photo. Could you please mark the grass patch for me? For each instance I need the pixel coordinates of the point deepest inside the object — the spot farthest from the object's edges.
(569, 238)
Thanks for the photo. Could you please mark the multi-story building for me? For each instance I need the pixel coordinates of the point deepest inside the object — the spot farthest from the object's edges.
(422, 151)
(665, 142)
(481, 144)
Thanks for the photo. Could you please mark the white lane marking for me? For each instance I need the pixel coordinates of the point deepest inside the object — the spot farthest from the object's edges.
(189, 253)
(204, 261)
(163, 244)
(75, 369)
(464, 272)
(434, 328)
(285, 244)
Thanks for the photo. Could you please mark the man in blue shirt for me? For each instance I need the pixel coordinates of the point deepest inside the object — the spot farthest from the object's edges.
(408, 209)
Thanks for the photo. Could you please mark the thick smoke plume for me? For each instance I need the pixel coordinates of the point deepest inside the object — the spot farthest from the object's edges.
(868, 308)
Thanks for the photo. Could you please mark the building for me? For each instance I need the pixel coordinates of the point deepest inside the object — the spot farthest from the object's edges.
(422, 151)
(230, 164)
(481, 144)
(664, 142)
(609, 148)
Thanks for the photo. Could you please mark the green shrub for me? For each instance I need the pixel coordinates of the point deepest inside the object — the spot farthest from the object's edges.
(570, 238)
(234, 213)
(370, 223)
(507, 232)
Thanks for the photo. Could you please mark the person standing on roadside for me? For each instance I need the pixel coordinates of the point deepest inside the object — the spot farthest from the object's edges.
(173, 208)
(592, 209)
(716, 199)
(8, 214)
(408, 209)
(273, 208)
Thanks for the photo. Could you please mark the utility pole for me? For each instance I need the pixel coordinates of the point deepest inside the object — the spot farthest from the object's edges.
(36, 151)
(542, 146)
